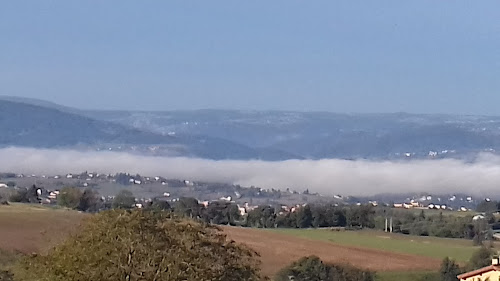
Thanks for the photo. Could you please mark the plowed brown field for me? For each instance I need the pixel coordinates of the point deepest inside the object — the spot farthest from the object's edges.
(278, 250)
(28, 228)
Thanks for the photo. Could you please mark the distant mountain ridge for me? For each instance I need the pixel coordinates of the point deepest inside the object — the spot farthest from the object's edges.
(266, 135)
(28, 125)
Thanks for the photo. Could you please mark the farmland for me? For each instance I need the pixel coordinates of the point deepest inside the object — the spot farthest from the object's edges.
(32, 228)
(279, 249)
(433, 247)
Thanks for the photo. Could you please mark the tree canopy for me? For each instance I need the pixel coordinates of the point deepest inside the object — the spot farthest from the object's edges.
(311, 268)
(142, 245)
(69, 197)
(124, 200)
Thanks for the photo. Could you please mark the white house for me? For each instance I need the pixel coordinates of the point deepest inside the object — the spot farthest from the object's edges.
(478, 217)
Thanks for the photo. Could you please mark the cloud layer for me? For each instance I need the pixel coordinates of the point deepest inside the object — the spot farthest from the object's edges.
(328, 176)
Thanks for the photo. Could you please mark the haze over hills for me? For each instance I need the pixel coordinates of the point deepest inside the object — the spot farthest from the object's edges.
(266, 135)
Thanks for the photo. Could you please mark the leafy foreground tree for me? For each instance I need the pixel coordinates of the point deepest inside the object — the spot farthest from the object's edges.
(142, 245)
(311, 268)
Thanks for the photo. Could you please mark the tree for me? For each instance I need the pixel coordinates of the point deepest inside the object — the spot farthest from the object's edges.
(449, 270)
(304, 217)
(221, 213)
(319, 214)
(69, 197)
(262, 216)
(480, 231)
(188, 207)
(124, 200)
(123, 179)
(159, 204)
(88, 201)
(142, 245)
(487, 206)
(26, 195)
(313, 269)
(480, 258)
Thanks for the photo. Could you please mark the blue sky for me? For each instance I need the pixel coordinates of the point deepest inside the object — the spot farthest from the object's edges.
(341, 56)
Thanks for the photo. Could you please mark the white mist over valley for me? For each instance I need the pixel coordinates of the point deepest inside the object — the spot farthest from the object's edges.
(327, 176)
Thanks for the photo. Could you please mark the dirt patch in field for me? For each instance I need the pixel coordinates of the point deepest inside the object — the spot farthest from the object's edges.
(28, 230)
(278, 250)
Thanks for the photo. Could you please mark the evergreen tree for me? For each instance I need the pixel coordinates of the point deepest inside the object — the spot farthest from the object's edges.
(449, 270)
(304, 217)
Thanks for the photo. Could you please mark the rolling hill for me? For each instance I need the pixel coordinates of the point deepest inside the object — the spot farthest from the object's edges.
(232, 134)
(30, 125)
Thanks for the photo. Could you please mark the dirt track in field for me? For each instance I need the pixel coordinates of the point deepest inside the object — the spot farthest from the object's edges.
(279, 250)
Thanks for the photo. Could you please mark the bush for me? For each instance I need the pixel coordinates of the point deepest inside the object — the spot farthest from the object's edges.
(313, 269)
(124, 200)
(142, 245)
(25, 195)
(69, 197)
(480, 258)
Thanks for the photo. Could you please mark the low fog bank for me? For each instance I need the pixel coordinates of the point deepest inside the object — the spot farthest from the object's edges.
(329, 176)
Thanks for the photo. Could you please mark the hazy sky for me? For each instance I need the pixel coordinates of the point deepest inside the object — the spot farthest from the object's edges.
(344, 56)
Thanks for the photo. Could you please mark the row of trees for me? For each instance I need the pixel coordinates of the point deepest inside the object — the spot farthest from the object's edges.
(312, 215)
(367, 216)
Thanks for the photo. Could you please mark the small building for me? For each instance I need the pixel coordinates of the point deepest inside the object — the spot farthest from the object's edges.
(491, 272)
(478, 217)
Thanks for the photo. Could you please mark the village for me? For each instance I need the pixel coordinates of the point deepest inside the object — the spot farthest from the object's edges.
(148, 188)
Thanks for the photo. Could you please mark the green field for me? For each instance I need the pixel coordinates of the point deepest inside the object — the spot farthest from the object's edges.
(458, 249)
